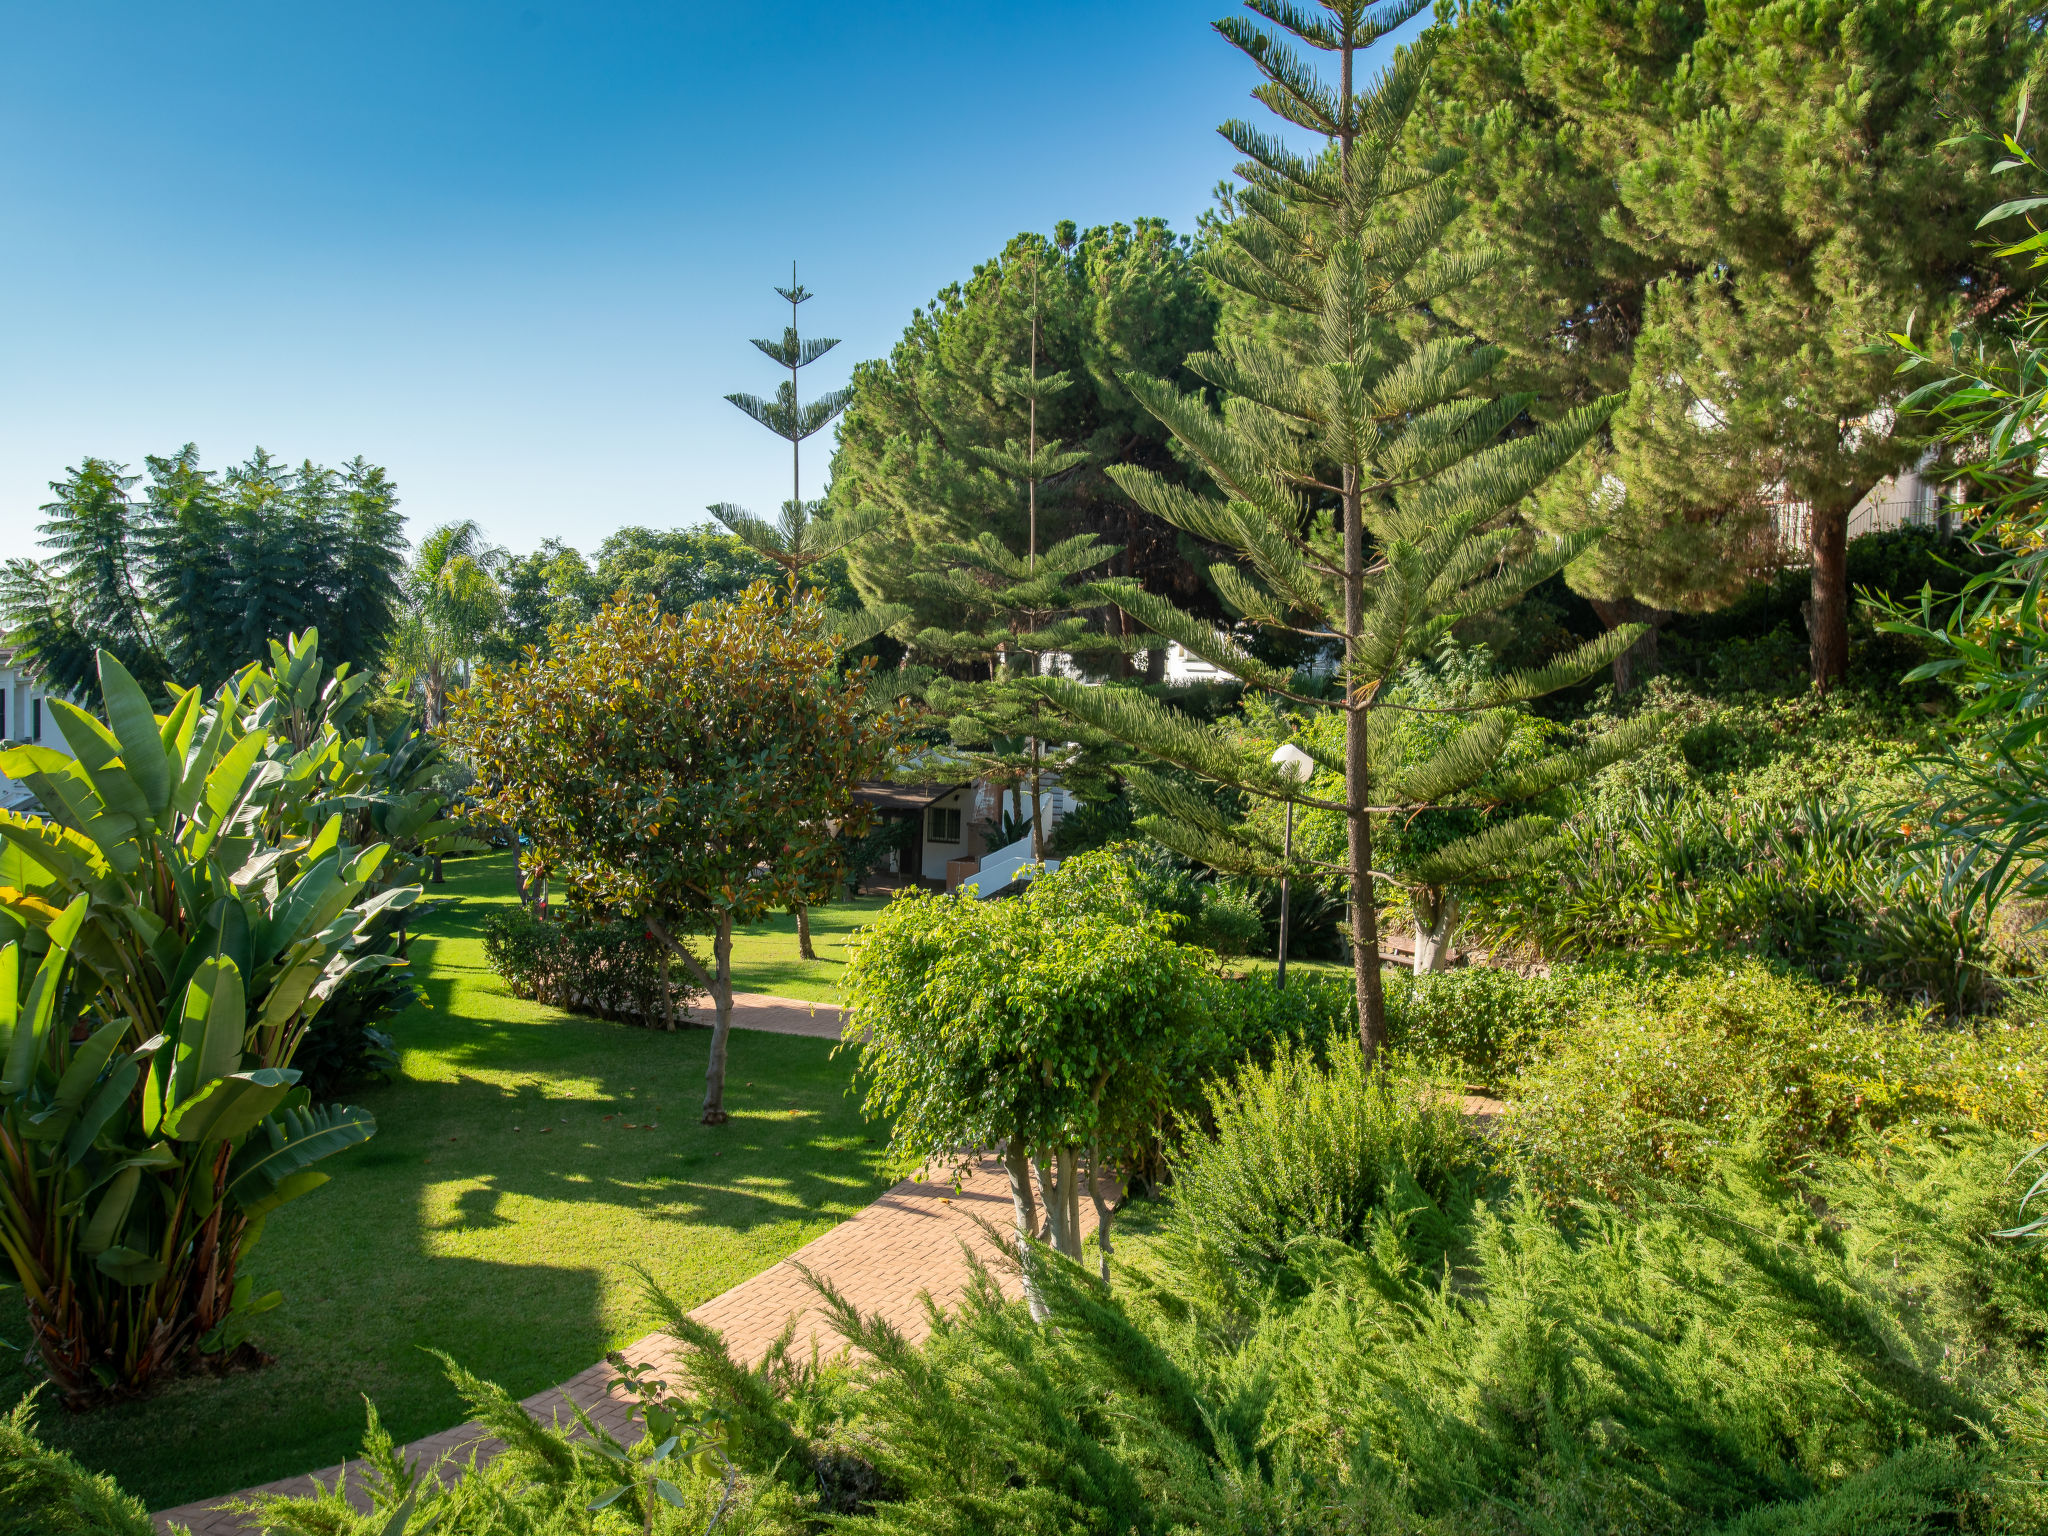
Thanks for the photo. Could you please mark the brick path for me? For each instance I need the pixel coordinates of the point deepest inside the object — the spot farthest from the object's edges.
(775, 1015)
(883, 1260)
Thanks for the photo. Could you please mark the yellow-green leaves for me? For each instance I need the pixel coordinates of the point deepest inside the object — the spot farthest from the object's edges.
(210, 1027)
(31, 1022)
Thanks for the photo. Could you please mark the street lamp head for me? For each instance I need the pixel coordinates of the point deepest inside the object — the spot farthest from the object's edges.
(1293, 762)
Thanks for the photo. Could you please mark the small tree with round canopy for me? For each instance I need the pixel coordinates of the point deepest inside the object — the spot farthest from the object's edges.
(676, 767)
(1059, 1025)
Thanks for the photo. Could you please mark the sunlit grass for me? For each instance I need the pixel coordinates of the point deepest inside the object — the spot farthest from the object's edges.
(524, 1160)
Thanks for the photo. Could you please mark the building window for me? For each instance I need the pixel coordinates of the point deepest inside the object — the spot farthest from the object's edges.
(36, 731)
(942, 826)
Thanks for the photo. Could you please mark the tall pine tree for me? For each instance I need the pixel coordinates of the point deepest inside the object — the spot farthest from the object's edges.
(787, 416)
(1718, 207)
(917, 438)
(803, 536)
(1369, 485)
(1018, 612)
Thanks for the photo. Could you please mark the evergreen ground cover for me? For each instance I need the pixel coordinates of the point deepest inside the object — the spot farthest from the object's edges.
(508, 1249)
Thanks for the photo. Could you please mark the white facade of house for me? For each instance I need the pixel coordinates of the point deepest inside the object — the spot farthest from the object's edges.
(955, 822)
(25, 717)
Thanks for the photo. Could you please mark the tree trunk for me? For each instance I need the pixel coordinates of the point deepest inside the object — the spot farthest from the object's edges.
(1827, 609)
(1017, 1162)
(721, 1029)
(803, 930)
(1104, 1211)
(1365, 932)
(1155, 661)
(1060, 1184)
(1639, 661)
(1037, 816)
(1436, 919)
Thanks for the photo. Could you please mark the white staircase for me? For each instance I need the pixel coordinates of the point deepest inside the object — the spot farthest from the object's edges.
(1001, 868)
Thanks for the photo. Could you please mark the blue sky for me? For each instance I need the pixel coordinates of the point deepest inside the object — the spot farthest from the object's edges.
(514, 251)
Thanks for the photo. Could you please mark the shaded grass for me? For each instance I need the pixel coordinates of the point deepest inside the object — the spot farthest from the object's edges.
(495, 1216)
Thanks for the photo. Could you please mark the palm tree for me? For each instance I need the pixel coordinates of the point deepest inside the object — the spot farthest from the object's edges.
(454, 602)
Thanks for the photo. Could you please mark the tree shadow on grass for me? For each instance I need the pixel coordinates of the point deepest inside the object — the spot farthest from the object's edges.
(509, 1250)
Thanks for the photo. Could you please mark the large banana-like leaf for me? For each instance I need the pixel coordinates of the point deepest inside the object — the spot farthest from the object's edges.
(102, 1107)
(228, 1108)
(80, 850)
(139, 732)
(264, 1199)
(130, 1266)
(198, 763)
(32, 1020)
(306, 898)
(174, 735)
(210, 1028)
(290, 1142)
(111, 1214)
(98, 752)
(87, 1062)
(226, 785)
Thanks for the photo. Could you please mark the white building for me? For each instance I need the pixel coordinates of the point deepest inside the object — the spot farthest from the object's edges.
(25, 718)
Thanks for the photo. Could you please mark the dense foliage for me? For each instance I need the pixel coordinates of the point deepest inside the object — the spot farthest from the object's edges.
(192, 581)
(1063, 1026)
(675, 768)
(933, 431)
(172, 933)
(1717, 209)
(615, 970)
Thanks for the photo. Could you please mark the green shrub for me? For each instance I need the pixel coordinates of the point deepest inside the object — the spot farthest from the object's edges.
(614, 969)
(1483, 1023)
(1304, 1152)
(1230, 923)
(1661, 1066)
(1732, 1361)
(45, 1493)
(1258, 1018)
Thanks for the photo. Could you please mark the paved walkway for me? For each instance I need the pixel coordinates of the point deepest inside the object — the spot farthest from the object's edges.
(775, 1015)
(884, 1260)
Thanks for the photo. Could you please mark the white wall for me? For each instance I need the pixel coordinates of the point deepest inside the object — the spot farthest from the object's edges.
(936, 854)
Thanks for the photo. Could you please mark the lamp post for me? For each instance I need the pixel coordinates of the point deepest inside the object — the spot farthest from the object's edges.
(1300, 767)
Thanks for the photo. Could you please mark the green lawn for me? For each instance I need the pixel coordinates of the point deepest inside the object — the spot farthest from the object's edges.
(764, 957)
(497, 1212)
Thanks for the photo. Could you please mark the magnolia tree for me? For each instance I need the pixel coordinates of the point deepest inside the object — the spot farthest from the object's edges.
(679, 768)
(1061, 1026)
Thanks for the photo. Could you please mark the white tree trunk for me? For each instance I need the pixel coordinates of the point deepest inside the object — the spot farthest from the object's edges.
(1017, 1161)
(1059, 1181)
(1436, 920)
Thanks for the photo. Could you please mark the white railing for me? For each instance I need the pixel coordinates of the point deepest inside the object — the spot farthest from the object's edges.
(1000, 868)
